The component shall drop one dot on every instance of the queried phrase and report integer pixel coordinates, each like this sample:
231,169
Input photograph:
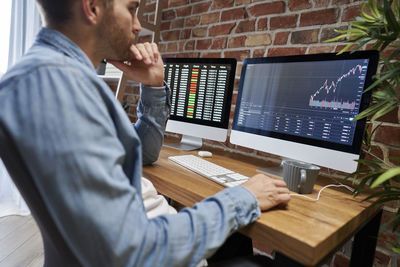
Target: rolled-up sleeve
153,109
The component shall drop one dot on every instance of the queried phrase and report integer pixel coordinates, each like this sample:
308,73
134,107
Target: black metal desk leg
364,243
281,260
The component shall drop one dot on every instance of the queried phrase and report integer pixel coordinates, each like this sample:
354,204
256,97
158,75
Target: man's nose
136,26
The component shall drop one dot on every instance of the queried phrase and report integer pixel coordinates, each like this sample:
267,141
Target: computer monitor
302,107
201,96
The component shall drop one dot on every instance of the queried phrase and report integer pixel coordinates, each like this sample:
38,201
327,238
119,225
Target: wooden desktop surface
305,231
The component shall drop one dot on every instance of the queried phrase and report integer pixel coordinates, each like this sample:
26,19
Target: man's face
119,28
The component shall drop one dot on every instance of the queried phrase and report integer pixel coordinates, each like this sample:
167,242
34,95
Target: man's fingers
143,49
283,190
279,183
155,52
136,53
283,198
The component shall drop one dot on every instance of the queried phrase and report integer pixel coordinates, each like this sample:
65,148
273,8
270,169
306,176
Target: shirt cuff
245,203
153,95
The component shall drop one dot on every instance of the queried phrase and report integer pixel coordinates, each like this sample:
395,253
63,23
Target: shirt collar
63,44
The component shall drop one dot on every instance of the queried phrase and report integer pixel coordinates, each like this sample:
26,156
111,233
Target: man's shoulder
40,60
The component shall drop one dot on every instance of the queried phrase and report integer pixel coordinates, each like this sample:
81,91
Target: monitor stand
276,171
187,143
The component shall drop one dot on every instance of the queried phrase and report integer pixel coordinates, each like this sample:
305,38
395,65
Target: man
77,159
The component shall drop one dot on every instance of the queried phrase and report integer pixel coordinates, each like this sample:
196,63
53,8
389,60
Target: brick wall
251,28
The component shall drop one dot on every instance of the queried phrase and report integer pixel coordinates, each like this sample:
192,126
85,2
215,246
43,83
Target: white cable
319,193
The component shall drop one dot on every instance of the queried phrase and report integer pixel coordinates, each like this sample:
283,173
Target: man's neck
83,38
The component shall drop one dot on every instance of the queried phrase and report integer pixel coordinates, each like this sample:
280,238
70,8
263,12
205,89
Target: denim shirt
85,158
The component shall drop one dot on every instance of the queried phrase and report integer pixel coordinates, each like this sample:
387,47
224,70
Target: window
5,21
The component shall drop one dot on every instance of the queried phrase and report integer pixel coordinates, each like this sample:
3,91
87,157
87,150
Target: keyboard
210,170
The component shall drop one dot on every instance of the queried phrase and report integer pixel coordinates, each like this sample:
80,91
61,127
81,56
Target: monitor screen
201,95
305,106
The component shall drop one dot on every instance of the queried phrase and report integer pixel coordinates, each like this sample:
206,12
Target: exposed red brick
305,37
321,3
188,54
184,11
144,39
192,21
168,15
340,2
325,16
221,29
211,54
237,41
258,53
283,22
321,49
394,156
162,47
267,8
382,258
376,151
262,248
242,2
341,261
199,32
219,43
281,38
340,47
189,45
286,51
165,25
210,18
233,14
392,116
389,135
150,7
164,3
177,23
385,240
295,5
185,34
201,7
260,39
172,47
245,26
262,24
350,13
218,4
239,55
170,35
174,3
329,33
203,44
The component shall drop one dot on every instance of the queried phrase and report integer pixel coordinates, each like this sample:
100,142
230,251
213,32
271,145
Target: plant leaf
386,176
386,109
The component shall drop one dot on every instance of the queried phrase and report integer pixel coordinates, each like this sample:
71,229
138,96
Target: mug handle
303,178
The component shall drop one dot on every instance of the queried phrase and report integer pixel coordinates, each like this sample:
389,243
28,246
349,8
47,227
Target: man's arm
153,108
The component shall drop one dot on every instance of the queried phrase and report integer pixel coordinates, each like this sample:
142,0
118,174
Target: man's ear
92,10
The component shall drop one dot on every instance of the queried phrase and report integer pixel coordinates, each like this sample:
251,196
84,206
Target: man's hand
146,65
268,192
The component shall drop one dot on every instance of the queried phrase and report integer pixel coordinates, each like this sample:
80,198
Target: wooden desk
305,233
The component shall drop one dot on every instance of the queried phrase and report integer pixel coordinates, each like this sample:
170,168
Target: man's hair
56,12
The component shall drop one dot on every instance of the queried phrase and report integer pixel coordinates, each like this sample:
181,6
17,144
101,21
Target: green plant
379,24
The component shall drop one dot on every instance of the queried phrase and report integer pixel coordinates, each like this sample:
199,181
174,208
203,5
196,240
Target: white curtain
25,23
